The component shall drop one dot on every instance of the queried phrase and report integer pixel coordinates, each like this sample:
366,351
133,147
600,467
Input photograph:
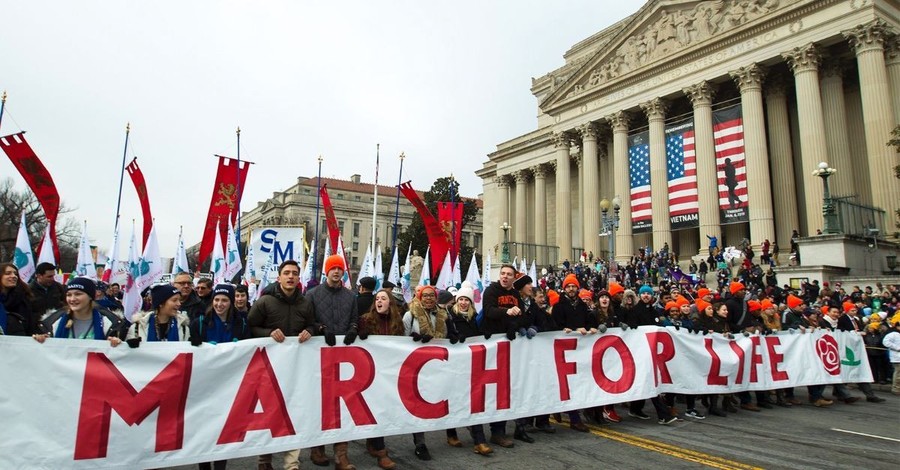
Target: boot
384,461
318,457
341,461
714,406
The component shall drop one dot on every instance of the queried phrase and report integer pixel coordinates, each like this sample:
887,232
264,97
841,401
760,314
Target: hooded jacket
496,301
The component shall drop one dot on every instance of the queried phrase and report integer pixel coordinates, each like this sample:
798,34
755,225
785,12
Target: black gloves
601,328
462,338
415,336
196,340
426,338
530,332
511,334
487,335
329,338
363,335
453,337
133,342
521,331
350,337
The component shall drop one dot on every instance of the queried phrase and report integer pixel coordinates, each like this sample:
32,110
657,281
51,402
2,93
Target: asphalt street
860,435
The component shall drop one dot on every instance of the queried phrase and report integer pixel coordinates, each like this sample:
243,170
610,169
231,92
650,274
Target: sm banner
282,243
167,404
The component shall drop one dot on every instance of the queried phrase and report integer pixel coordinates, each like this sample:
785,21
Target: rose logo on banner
827,348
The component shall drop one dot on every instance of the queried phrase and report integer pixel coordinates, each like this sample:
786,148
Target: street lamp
610,223
504,257
828,209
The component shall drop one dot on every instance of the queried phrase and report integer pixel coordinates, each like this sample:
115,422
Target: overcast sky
444,81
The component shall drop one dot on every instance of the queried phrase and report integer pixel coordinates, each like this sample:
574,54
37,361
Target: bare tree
13,202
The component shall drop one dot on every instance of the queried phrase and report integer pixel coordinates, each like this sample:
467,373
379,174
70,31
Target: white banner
283,243
166,404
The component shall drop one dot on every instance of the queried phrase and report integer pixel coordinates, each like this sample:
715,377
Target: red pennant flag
334,230
437,237
450,217
225,201
38,179
137,177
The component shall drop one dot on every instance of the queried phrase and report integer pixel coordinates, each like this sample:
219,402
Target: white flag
340,251
485,272
406,283
46,253
264,278
379,271
151,263
24,258
446,274
425,277
456,280
217,265
233,264
112,258
532,273
308,268
473,278
250,268
325,258
132,297
523,268
367,267
85,264
180,262
394,272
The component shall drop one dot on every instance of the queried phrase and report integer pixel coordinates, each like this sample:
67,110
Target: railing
543,255
858,219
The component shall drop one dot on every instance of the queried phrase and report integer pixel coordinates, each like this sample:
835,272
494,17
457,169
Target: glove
624,326
522,332
746,333
196,340
530,333
329,338
133,342
462,338
363,335
705,332
511,334
602,328
350,337
453,337
415,336
792,330
426,338
678,327
487,335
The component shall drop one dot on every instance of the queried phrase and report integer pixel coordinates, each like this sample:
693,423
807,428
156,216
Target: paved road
861,435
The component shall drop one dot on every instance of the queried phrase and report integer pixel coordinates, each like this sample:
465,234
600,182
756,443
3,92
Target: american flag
639,173
681,167
728,132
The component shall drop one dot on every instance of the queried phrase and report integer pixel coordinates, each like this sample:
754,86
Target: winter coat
291,314
436,323
236,327
47,299
364,302
113,325
193,306
463,324
642,314
140,327
573,315
21,321
715,323
335,308
892,342
739,317
496,301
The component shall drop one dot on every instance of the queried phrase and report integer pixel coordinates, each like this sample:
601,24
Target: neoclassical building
706,118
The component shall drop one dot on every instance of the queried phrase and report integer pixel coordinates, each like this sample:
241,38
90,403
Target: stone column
892,50
859,154
841,184
624,240
503,199
782,157
759,189
804,61
540,204
701,96
563,195
590,214
659,182
577,220
868,41
520,226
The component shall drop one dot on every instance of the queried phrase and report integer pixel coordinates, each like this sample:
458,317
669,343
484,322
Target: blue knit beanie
646,290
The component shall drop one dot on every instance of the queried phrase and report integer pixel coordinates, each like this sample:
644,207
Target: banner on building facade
168,404
639,177
283,243
681,171
731,165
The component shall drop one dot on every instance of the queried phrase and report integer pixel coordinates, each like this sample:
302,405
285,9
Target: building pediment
659,31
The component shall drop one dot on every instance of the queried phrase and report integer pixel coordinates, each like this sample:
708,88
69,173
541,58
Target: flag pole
318,197
238,194
122,175
453,218
2,105
375,200
397,206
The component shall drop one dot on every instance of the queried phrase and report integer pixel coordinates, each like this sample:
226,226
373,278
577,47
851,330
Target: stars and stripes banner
681,170
639,176
731,168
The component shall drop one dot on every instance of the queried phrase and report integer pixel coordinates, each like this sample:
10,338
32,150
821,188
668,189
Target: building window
355,261
341,226
356,229
355,246
357,198
306,191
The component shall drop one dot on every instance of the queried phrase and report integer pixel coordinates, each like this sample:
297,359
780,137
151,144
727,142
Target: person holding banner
165,322
221,323
16,316
572,314
81,320
643,314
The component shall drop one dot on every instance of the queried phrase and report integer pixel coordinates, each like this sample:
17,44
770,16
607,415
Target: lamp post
610,222
828,209
504,257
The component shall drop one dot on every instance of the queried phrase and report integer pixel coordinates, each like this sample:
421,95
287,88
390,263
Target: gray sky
444,81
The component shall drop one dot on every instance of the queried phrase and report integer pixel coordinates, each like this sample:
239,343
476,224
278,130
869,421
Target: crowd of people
581,299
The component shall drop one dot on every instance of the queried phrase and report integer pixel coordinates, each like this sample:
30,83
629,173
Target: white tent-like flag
523,267
378,270
46,253
233,264
85,264
327,253
456,280
180,262
473,278
132,295
406,283
367,266
532,273
217,266
340,251
112,258
394,271
250,268
308,267
264,277
425,277
445,277
485,272
151,269
24,258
